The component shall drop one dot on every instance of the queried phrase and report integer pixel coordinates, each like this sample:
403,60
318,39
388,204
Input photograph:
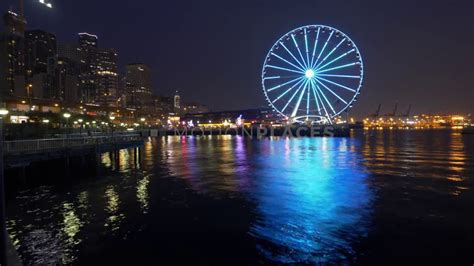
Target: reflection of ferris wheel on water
312,73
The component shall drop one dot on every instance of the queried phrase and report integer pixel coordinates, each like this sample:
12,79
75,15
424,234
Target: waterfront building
12,58
68,79
138,85
40,48
229,118
40,65
70,51
194,108
88,44
107,77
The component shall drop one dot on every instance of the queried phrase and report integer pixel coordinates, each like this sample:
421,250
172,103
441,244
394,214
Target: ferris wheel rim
360,62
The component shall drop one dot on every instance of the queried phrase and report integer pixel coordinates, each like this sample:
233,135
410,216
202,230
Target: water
221,200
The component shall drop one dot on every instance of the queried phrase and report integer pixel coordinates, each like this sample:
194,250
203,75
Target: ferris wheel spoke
315,98
307,103
293,96
335,83
306,45
315,46
299,51
284,84
326,99
330,53
320,100
295,110
331,91
283,68
339,76
334,68
288,90
286,61
292,55
324,47
334,60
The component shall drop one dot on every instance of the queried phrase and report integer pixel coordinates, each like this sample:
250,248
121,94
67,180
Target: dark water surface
225,200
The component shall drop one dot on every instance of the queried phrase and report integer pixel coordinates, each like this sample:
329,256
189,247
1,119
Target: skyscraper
70,51
40,47
12,56
107,77
87,40
88,44
68,79
138,85
41,61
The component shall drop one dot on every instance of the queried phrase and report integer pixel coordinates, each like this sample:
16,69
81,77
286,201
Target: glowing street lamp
112,118
67,116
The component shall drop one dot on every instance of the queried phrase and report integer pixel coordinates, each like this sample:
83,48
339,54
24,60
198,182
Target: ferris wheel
313,73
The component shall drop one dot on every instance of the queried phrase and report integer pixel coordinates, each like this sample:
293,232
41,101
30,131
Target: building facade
138,85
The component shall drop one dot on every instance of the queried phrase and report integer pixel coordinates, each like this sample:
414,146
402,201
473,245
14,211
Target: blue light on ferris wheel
314,72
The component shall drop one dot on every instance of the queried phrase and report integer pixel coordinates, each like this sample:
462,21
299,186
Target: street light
112,118
80,126
67,115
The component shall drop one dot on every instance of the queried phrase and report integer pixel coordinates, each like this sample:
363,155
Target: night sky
418,52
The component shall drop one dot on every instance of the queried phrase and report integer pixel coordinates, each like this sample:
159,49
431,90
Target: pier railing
39,145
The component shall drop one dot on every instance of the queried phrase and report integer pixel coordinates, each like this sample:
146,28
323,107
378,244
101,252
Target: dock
21,153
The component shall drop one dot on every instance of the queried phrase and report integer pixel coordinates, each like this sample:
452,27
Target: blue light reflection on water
312,200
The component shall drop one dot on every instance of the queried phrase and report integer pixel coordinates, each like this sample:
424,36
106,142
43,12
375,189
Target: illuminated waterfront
367,198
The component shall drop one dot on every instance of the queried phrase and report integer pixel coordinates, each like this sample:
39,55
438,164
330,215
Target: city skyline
394,72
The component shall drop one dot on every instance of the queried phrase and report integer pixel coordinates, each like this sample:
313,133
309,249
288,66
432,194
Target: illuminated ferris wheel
312,73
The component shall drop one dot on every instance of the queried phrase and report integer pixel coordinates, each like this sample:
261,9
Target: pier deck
21,153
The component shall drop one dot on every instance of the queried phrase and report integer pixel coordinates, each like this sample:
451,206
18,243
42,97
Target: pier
21,153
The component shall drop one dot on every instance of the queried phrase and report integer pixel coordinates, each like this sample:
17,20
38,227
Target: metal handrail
17,146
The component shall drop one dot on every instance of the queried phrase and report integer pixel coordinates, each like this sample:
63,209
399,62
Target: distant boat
468,130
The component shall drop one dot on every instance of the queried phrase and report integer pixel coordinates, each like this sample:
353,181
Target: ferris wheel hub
309,73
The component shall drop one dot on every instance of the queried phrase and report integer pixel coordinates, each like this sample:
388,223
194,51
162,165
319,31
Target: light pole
112,118
3,229
67,115
80,126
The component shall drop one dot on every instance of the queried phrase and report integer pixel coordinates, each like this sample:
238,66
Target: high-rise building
41,60
88,44
107,77
14,23
40,48
12,63
70,51
68,79
138,85
88,41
